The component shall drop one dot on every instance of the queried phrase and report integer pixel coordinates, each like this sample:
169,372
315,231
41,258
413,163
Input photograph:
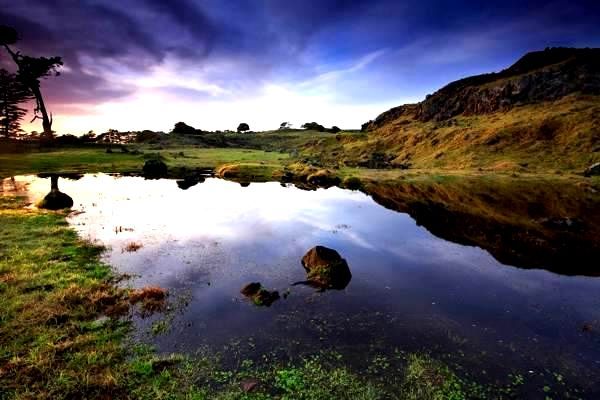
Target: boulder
325,268
592,170
154,169
55,200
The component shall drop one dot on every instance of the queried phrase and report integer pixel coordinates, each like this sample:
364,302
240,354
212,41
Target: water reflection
543,225
437,276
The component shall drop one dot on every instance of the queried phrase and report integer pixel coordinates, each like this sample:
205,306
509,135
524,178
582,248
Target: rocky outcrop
389,116
538,76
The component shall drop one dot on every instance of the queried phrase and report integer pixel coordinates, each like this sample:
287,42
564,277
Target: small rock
251,289
259,295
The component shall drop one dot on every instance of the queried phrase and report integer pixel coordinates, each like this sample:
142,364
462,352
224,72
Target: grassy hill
542,113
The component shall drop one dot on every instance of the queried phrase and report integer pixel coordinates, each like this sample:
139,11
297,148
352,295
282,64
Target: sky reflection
210,240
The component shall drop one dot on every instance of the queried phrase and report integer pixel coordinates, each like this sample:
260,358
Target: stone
259,295
55,200
326,269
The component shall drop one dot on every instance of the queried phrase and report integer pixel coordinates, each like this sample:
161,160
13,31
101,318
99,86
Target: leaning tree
12,95
30,70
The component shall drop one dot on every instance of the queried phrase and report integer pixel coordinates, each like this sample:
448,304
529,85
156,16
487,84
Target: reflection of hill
521,223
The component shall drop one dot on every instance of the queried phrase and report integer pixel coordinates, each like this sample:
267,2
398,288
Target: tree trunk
46,122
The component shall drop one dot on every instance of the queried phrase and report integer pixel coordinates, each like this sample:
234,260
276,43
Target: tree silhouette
313,126
12,95
30,70
243,127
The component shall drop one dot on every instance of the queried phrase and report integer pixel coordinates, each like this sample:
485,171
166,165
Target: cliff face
538,76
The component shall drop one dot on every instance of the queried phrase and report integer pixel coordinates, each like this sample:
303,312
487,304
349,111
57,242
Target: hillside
543,112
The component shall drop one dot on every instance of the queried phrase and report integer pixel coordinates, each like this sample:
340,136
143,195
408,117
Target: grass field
95,159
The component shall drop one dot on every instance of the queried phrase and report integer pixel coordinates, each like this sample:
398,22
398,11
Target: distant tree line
313,126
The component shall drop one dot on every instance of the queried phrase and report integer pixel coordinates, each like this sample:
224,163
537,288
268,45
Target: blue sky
146,64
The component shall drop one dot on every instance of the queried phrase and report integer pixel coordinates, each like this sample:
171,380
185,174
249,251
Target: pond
463,272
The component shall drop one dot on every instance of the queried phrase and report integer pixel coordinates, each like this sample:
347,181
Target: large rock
592,170
325,268
55,200
154,169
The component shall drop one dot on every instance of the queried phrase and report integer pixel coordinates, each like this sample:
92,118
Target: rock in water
259,295
55,200
326,268
251,289
592,170
154,169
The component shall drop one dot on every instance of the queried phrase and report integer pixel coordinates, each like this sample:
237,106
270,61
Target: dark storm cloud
286,40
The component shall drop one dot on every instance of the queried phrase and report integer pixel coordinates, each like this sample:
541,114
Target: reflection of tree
30,70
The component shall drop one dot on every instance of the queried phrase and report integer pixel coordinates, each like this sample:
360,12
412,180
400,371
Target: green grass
562,135
95,159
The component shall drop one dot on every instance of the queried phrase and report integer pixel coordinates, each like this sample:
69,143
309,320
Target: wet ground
410,290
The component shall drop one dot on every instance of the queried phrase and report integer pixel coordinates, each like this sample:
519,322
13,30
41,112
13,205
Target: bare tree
30,70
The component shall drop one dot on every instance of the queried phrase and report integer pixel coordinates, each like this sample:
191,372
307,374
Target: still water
410,290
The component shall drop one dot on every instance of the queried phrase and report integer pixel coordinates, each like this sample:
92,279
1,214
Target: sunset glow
153,63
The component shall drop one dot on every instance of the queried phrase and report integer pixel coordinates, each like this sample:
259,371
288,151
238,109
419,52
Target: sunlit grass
95,159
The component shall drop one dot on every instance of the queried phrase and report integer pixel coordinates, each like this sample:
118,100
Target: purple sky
146,64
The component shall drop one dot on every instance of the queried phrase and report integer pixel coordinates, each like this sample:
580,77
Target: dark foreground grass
64,334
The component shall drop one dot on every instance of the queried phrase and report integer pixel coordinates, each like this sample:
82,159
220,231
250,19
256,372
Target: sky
147,64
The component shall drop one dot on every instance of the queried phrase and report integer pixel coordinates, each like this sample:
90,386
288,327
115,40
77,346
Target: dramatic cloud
147,63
